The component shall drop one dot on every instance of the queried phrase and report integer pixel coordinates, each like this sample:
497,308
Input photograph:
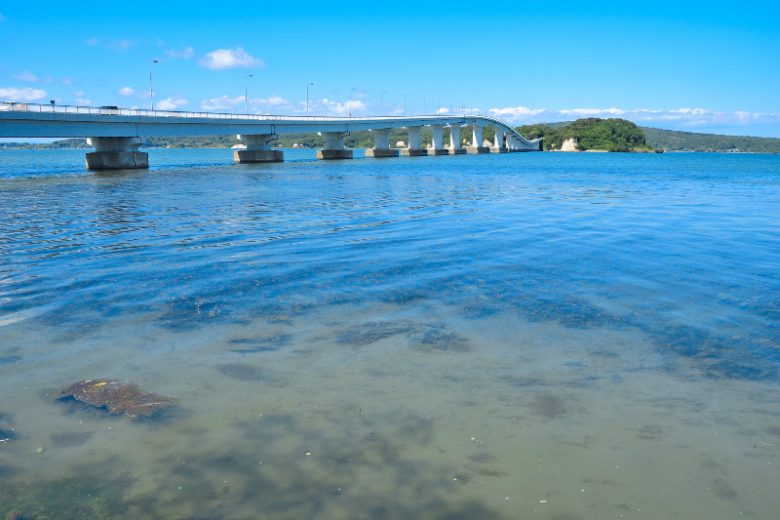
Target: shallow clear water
549,336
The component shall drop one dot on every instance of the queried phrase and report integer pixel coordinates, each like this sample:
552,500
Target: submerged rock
7,432
372,332
243,372
117,397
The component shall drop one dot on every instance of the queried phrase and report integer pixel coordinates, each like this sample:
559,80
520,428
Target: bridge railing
140,112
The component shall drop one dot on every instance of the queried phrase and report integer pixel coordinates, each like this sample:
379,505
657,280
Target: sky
694,66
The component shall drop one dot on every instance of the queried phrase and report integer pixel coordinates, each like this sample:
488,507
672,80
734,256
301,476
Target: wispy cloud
592,112
171,103
238,103
126,91
27,76
22,94
34,78
221,59
332,107
442,110
185,53
273,101
679,118
516,113
279,104
221,103
112,44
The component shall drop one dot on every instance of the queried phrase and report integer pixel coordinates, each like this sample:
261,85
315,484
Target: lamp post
382,102
307,96
151,87
246,93
349,103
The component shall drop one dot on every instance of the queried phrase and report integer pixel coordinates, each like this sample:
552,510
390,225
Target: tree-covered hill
688,141
612,135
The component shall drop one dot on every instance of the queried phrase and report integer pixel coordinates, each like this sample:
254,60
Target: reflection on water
517,336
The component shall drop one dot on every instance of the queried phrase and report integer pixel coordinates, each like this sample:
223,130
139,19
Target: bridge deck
33,120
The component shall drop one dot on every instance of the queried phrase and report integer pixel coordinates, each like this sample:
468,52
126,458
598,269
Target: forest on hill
611,135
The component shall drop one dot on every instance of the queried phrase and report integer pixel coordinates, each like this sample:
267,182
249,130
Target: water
548,336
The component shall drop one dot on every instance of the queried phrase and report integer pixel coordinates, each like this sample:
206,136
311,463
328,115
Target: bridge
117,133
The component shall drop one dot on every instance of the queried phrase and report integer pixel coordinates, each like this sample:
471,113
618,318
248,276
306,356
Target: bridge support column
455,147
437,141
511,144
414,148
476,141
116,153
381,145
498,141
258,149
334,147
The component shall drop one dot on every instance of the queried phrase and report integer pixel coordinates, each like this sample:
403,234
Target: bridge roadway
117,133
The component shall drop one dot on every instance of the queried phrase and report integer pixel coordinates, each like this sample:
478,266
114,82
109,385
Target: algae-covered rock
117,397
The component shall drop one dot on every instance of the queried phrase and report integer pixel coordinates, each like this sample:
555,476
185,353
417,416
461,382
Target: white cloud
182,54
337,108
221,103
67,81
83,102
22,94
228,59
238,103
126,91
171,103
514,114
442,110
27,76
273,101
593,112
698,119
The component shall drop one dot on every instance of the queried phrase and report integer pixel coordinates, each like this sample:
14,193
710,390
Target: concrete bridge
117,133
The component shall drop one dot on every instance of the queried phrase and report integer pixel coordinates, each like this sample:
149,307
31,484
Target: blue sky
698,66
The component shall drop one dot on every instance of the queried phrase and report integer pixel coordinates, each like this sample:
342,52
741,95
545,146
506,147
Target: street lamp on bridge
307,96
349,103
151,87
246,93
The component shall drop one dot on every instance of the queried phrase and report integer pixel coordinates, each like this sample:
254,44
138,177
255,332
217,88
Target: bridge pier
116,153
498,141
437,141
414,148
334,147
455,146
258,149
381,145
476,141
